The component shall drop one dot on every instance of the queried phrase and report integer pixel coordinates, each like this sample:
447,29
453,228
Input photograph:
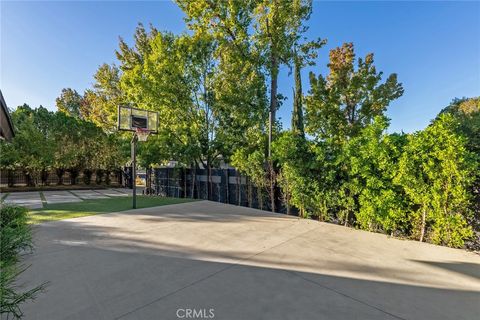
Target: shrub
15,238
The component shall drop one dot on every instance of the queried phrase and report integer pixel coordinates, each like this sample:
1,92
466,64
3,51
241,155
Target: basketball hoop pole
142,123
134,170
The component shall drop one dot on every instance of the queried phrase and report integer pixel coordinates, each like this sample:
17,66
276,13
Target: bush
451,231
15,239
15,233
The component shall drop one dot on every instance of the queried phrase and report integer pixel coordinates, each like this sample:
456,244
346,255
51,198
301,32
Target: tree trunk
209,180
424,215
10,178
273,90
107,177
272,117
149,180
193,173
44,176
29,179
227,185
60,172
250,196
260,198
238,189
272,185
184,182
287,202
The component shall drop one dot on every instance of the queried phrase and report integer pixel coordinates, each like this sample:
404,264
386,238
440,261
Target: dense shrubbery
413,185
48,140
15,239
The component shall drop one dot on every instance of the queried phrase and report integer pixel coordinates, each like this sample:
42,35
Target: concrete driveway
207,259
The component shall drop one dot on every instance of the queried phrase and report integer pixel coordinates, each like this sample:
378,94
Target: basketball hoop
142,123
142,134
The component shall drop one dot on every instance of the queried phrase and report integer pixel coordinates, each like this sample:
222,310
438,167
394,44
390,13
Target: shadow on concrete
464,268
99,272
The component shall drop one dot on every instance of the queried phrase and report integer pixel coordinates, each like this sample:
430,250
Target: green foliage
205,99
159,74
46,140
435,171
347,100
372,159
250,160
338,108
70,102
15,238
467,112
297,114
33,144
101,102
15,232
295,179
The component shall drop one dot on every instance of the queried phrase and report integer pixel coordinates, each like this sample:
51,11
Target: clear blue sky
434,47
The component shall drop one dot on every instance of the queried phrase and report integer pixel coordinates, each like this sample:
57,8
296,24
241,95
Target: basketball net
142,134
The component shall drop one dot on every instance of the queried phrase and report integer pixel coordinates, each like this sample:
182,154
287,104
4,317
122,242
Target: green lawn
60,211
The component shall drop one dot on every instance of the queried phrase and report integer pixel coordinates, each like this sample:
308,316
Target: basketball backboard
131,119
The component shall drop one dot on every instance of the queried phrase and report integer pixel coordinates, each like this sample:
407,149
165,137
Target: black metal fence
226,186
20,178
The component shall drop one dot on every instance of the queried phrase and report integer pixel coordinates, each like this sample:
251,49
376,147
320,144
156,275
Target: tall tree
101,102
278,25
338,107
297,114
70,102
177,76
304,55
271,27
347,100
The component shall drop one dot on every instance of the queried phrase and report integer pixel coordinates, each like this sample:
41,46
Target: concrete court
33,200
88,194
244,264
30,200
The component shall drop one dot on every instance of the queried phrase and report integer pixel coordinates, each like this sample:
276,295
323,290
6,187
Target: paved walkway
243,263
33,200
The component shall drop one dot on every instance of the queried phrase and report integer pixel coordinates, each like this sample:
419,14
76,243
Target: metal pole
134,170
